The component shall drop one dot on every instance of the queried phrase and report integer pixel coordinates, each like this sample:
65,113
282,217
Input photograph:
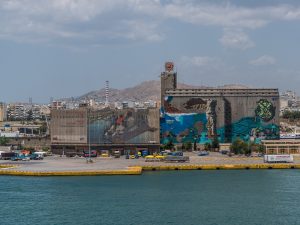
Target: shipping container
278,159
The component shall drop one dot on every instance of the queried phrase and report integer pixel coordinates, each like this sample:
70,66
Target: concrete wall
124,126
200,116
37,143
106,126
69,126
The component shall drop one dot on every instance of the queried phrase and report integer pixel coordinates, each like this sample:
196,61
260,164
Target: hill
147,90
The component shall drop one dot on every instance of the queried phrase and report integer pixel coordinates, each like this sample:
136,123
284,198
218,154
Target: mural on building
124,126
211,116
265,110
180,128
186,120
252,129
195,120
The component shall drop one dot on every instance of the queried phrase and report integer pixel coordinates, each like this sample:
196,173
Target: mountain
147,90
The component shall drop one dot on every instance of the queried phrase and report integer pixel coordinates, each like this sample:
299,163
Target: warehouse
203,115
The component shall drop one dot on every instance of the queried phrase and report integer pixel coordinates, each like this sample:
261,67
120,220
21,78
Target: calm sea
254,197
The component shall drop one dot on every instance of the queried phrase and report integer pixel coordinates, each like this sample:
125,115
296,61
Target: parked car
36,157
224,152
260,155
117,154
177,153
203,153
93,154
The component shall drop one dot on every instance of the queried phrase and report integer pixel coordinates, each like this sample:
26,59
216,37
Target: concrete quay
61,166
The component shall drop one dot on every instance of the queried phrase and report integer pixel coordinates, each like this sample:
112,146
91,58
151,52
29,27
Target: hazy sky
63,48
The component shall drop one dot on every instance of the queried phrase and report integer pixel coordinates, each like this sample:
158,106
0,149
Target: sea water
247,197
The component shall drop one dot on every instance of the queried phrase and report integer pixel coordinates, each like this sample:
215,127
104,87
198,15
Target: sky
64,48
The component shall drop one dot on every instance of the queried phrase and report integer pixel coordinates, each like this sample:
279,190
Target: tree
215,143
4,140
291,115
29,115
43,128
187,145
207,146
169,145
239,147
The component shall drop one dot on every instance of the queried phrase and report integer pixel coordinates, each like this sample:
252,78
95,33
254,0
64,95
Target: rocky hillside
148,90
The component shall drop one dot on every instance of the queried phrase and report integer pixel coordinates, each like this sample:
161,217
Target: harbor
79,166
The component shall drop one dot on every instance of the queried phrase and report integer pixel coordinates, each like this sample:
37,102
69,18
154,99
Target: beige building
286,146
69,126
106,129
2,112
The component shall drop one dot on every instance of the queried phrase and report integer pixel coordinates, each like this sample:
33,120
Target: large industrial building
202,115
198,116
106,129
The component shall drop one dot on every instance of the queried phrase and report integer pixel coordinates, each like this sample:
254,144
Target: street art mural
189,120
254,129
181,128
124,126
195,120
265,110
211,116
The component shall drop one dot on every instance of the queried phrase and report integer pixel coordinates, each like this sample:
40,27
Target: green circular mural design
265,110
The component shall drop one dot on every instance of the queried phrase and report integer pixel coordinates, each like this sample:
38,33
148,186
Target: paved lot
57,163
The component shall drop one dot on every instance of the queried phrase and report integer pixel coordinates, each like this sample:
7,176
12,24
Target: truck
8,155
172,158
278,159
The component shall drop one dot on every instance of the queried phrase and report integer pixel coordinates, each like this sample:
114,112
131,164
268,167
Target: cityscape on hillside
144,95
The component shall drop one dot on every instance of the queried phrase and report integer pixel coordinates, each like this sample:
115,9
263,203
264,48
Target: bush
207,146
187,146
239,147
169,145
291,115
215,143
4,140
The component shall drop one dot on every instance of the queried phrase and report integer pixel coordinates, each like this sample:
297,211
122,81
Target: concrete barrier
222,167
129,171
137,170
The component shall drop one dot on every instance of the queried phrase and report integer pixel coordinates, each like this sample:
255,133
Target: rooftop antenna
107,93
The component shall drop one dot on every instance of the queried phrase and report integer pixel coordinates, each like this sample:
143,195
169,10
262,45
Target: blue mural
254,129
192,127
184,127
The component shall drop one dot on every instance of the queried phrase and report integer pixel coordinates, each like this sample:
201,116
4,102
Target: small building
287,146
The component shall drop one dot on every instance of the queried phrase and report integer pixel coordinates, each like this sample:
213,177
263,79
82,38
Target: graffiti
184,105
199,125
180,128
211,118
254,129
265,110
122,126
195,104
169,107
